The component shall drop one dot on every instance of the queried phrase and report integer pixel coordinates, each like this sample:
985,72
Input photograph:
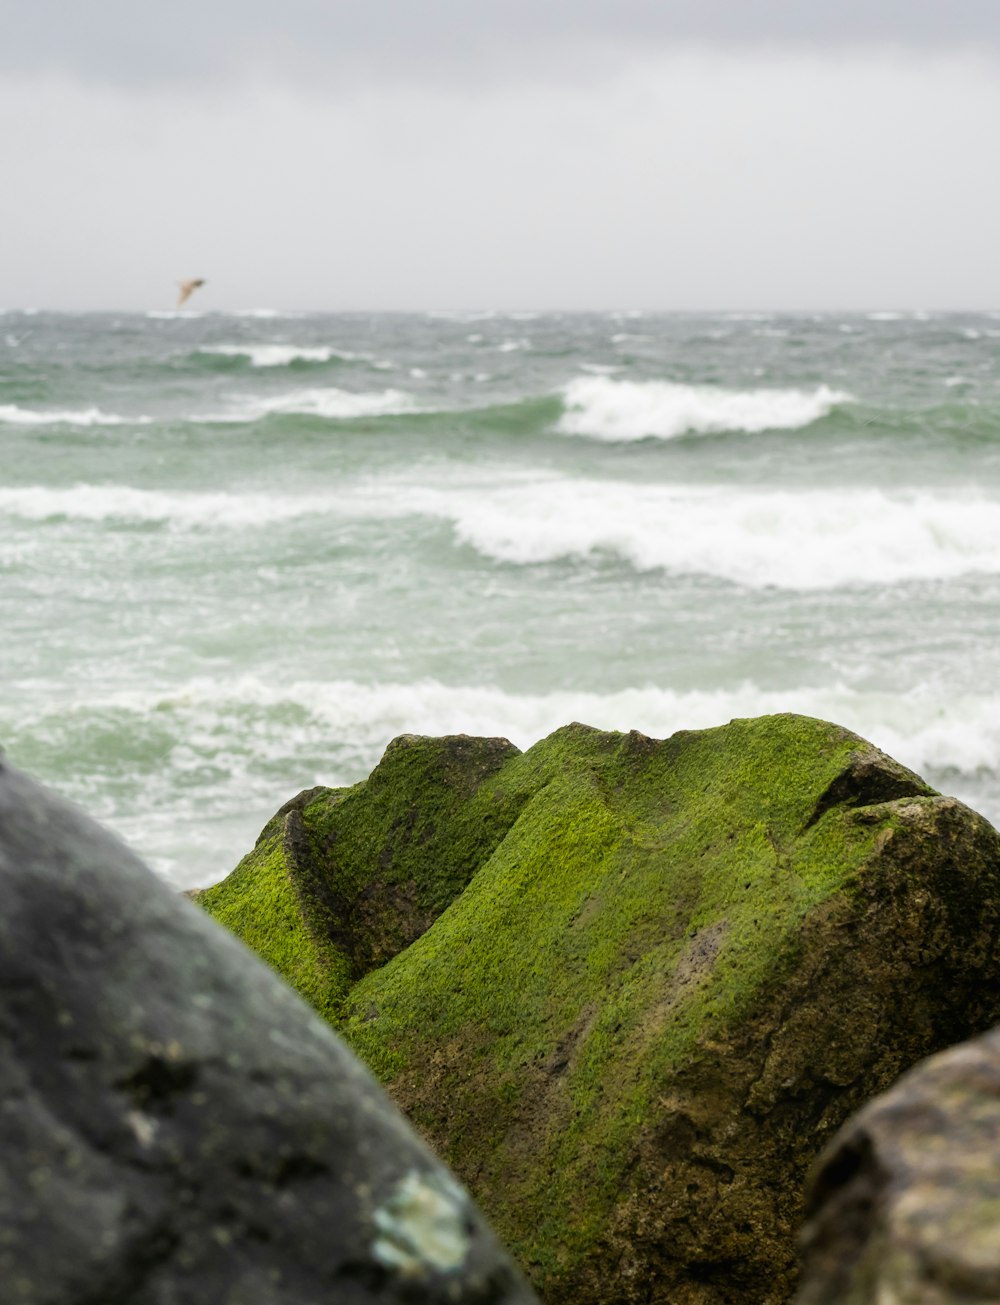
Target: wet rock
629,988
176,1125
905,1204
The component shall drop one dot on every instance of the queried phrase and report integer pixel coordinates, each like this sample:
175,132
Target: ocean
240,552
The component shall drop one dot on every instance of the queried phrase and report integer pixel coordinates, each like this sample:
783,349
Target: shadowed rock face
176,1126
629,988
905,1204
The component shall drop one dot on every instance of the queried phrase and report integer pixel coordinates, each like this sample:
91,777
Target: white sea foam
263,313
623,337
127,505
276,355
170,314
15,415
330,402
801,539
250,740
757,538
614,410
886,317
921,728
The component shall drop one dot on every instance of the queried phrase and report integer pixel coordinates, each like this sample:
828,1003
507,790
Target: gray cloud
692,179
135,42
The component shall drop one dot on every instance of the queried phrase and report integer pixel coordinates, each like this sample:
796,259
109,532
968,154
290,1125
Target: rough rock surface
176,1126
630,988
905,1206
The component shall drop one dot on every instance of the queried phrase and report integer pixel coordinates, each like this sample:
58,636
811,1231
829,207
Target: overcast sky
420,154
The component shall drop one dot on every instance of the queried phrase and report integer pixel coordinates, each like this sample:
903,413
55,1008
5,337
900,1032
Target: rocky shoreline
628,989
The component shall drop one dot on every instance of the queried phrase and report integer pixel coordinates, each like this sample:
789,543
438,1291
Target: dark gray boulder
905,1204
176,1125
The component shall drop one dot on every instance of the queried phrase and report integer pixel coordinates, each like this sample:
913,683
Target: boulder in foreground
906,1202
177,1127
629,988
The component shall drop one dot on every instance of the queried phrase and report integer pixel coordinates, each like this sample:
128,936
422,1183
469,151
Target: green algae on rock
340,880
629,988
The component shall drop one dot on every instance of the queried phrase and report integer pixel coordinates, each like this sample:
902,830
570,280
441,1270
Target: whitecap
276,355
757,538
15,415
352,720
330,403
263,313
125,504
633,410
624,337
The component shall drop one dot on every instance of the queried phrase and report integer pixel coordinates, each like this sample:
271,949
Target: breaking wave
13,414
265,314
349,722
330,403
277,355
756,538
128,506
802,539
606,409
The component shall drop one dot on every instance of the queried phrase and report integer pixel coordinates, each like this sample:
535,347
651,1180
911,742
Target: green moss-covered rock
341,880
628,987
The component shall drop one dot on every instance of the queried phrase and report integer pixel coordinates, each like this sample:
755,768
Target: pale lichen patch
423,1225
142,1126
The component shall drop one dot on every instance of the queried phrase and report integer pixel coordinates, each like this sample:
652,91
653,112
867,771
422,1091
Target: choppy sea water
240,552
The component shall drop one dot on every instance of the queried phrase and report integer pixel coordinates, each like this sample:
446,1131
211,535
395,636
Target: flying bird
187,289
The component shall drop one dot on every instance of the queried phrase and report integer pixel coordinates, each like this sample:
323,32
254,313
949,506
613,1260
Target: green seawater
240,552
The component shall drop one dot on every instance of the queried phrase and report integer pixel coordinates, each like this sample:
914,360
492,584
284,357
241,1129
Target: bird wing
188,288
